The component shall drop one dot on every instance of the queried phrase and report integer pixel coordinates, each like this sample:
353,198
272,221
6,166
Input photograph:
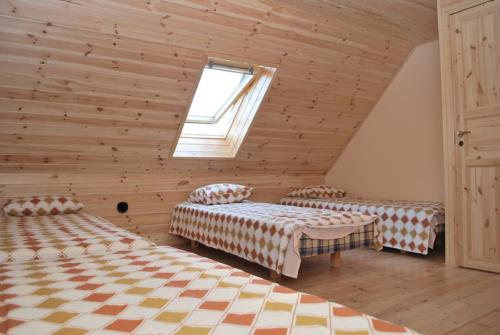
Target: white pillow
317,192
220,194
42,205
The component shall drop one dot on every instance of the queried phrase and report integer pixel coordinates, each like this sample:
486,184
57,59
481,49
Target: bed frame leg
274,275
336,260
403,252
194,244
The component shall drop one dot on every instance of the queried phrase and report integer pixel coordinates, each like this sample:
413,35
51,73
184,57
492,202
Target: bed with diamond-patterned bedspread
407,225
58,236
163,290
263,233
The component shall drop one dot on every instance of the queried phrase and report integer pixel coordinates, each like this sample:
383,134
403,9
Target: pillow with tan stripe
42,205
317,192
220,194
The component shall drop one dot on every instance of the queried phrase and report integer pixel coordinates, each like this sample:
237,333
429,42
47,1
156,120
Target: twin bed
274,236
411,226
76,273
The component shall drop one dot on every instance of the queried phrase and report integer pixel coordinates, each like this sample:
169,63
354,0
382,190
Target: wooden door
475,76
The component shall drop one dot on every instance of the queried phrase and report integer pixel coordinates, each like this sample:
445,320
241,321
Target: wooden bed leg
403,252
336,260
274,275
194,244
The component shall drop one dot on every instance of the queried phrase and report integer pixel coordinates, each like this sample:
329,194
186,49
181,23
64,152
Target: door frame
453,226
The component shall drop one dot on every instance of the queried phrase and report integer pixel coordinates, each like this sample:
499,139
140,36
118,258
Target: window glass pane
214,90
219,129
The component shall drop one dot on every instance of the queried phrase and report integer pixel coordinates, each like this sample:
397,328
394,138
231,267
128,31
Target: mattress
58,236
407,225
263,233
163,290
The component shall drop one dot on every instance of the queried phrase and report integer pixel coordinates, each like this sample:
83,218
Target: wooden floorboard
417,291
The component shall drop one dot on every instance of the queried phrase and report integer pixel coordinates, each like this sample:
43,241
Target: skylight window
218,86
226,100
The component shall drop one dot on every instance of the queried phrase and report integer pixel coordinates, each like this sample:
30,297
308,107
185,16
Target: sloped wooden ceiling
94,85
93,92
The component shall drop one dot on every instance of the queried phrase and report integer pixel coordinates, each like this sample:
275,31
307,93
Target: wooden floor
419,292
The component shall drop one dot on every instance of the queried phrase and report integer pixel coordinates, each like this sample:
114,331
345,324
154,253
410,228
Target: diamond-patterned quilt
264,233
67,235
163,290
406,225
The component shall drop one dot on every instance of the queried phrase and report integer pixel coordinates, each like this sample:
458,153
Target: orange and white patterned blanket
406,225
56,236
264,233
163,290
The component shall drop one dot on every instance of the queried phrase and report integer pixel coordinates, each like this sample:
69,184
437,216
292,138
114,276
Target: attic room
267,167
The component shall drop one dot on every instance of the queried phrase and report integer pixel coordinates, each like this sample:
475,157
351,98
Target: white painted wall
398,153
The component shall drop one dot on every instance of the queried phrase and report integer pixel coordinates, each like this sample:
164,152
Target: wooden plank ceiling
102,85
92,93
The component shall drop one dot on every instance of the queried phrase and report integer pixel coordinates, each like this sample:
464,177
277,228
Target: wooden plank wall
92,93
151,197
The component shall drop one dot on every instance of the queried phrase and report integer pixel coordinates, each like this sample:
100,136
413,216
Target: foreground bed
162,290
270,235
75,274
407,225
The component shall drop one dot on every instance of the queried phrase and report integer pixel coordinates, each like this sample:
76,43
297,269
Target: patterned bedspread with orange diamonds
68,235
163,290
406,225
264,233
